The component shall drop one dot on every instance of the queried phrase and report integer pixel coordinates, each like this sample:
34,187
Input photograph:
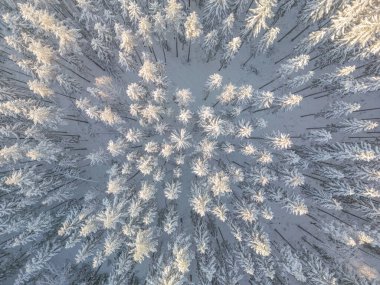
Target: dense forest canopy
172,142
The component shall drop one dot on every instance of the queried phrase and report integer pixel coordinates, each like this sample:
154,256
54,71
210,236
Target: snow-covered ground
271,216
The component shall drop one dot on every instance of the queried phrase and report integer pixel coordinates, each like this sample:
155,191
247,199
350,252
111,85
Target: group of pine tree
109,176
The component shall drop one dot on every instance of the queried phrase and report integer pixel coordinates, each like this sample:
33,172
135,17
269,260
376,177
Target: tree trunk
284,239
299,33
266,84
249,58
176,46
207,94
163,51
188,53
70,119
153,52
138,56
249,7
281,59
302,116
284,36
370,109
